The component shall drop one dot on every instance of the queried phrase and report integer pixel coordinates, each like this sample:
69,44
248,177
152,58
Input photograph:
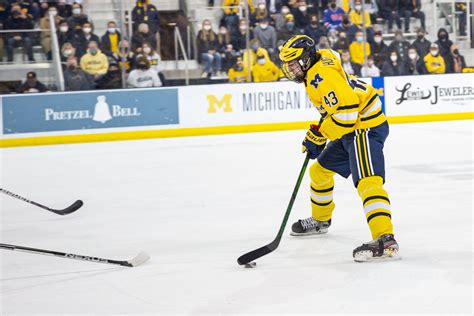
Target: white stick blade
139,259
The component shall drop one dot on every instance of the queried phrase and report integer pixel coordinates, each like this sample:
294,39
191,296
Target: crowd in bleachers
99,61
332,24
90,60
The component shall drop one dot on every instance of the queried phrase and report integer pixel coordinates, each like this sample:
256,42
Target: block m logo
223,104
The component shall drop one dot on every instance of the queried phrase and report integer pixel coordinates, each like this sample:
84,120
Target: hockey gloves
314,142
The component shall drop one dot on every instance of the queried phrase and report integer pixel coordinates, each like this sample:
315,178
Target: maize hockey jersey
345,102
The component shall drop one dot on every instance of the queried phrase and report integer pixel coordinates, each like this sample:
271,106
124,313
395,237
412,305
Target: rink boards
73,117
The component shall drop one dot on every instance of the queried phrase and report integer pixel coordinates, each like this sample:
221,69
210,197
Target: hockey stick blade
257,253
139,259
68,210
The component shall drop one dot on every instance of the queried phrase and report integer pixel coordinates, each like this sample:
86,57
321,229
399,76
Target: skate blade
366,256
321,232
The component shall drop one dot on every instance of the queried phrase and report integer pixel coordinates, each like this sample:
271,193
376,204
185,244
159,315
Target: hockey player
353,122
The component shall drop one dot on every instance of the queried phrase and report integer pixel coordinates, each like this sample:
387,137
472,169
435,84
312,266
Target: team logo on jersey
315,82
223,104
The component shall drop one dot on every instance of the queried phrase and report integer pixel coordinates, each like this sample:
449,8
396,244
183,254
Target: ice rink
195,204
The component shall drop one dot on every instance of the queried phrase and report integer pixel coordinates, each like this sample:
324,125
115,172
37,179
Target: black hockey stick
68,210
265,250
137,260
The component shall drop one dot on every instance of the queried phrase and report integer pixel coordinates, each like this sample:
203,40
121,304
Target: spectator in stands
412,8
355,17
75,79
332,38
88,29
333,15
231,19
350,67
67,51
265,70
288,30
79,41
301,15
143,35
77,19
112,79
223,38
323,43
94,62
31,84
124,57
154,59
379,50
144,12
18,21
250,55
314,29
45,24
280,18
400,45
143,76
64,33
371,7
389,11
358,48
460,10
261,12
395,66
238,73
434,62
266,35
444,43
421,44
64,9
111,39
342,42
208,49
229,55
370,70
454,60
347,27
415,64
239,39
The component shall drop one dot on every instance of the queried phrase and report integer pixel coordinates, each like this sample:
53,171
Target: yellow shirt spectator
357,51
265,70
235,3
435,64
250,53
238,76
94,64
114,39
356,18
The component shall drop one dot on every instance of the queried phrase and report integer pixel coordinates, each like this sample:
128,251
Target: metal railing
447,8
56,54
178,41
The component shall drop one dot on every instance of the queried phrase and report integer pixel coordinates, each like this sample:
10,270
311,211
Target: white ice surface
196,204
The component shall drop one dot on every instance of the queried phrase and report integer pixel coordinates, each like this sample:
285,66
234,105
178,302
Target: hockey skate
309,226
383,248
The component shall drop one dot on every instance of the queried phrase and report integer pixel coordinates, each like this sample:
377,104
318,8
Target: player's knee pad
376,205
321,176
322,186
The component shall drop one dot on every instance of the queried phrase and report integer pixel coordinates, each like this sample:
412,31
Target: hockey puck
250,265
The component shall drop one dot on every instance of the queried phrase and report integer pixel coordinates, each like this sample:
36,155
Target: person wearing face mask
444,43
67,50
314,29
238,73
87,29
124,57
112,79
145,12
208,50
415,64
75,79
64,33
421,44
143,35
45,24
239,40
266,35
333,16
18,21
265,70
78,18
347,27
153,57
143,76
357,47
223,39
355,17
32,84
379,50
111,39
280,18
288,29
370,70
395,66
231,11
455,62
434,62
342,42
94,62
301,15
399,44
261,11
389,11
